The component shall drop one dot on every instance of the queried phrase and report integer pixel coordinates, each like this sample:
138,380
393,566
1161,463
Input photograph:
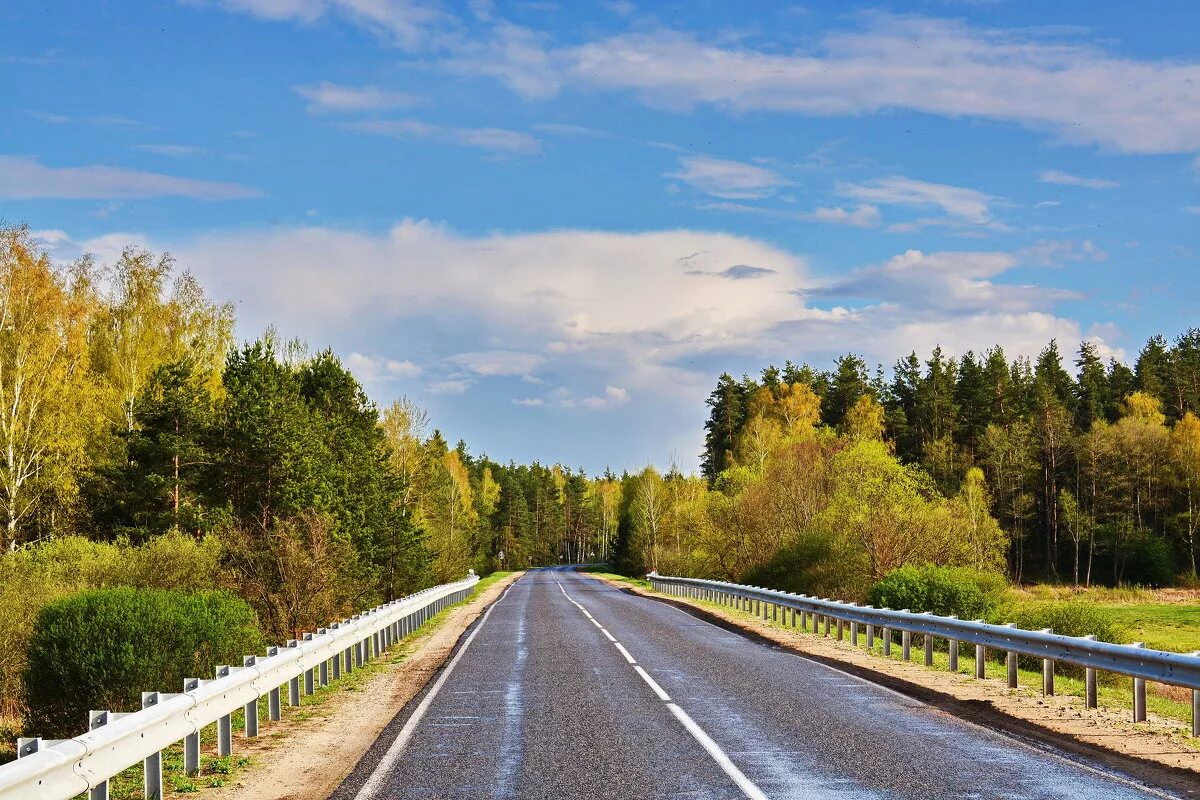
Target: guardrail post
1139,693
191,742
98,719
853,633
293,683
906,645
841,629
309,678
887,640
336,661
225,723
1048,671
274,712
1089,681
826,618
1196,704
251,707
952,648
323,670
870,637
980,659
152,782
1010,661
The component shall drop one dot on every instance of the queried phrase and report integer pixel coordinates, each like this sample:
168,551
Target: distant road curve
570,688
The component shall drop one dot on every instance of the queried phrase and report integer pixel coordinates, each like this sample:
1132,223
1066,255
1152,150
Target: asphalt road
569,688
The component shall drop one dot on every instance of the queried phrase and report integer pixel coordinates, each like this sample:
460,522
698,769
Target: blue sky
554,223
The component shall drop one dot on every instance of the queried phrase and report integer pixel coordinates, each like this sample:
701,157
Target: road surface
570,688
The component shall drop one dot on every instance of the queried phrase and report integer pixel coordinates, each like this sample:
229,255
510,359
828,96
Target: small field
1165,619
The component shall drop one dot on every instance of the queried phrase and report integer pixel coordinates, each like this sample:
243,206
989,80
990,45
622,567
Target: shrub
968,593
102,648
1064,617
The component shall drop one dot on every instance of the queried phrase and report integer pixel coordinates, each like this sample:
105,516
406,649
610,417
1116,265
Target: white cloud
172,150
449,386
613,396
24,178
499,362
405,23
964,204
863,216
950,283
334,98
530,402
372,369
1082,93
495,140
1067,179
734,180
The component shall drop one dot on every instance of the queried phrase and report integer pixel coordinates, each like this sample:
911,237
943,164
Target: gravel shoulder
308,759
1155,752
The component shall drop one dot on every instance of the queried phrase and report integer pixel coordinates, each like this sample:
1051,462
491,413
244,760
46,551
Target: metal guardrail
1132,660
58,770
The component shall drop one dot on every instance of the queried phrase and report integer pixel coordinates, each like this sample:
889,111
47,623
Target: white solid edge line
625,652
658,690
608,635
748,788
374,783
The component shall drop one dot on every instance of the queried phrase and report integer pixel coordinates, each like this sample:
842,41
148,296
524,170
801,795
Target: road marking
658,690
745,784
713,749
380,774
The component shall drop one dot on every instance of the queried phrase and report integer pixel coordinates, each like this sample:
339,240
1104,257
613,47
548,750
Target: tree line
128,412
1092,471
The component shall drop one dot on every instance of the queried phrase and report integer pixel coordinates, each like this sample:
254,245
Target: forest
142,446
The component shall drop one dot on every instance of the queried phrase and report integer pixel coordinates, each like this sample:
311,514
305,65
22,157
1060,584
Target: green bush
1064,617
968,593
102,648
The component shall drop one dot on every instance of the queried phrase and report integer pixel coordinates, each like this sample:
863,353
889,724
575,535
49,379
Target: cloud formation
1067,179
733,180
968,205
335,98
24,178
494,140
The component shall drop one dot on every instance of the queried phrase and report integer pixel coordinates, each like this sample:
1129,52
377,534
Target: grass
218,771
1168,626
602,571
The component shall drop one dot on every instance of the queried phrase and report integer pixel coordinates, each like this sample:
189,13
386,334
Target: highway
570,688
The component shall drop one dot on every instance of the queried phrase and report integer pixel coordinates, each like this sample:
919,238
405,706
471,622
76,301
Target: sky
554,224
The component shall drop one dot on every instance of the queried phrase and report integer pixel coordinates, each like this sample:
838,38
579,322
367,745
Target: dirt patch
309,759
1155,752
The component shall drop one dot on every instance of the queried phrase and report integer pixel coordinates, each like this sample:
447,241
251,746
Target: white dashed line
712,748
745,784
658,690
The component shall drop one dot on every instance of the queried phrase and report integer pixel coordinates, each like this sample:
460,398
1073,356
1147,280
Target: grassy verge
1160,625
603,572
216,772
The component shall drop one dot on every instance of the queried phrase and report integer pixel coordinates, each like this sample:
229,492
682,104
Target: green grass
1162,626
216,772
602,572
